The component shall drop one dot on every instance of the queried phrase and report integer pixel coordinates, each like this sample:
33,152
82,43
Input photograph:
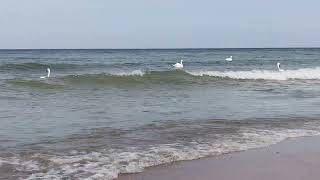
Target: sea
106,112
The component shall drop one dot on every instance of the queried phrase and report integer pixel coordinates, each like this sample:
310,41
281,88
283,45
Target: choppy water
106,112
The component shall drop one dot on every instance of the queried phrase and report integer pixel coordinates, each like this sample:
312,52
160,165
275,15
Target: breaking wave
306,73
176,77
109,163
170,77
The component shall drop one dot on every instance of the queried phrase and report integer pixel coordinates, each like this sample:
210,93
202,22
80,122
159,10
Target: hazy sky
159,23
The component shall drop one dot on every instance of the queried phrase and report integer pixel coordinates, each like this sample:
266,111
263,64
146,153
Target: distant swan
279,68
229,58
48,74
178,65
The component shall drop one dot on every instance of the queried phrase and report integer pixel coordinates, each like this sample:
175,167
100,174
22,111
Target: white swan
279,68
229,58
178,65
48,74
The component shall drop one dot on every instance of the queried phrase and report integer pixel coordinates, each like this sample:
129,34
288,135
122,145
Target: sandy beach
292,159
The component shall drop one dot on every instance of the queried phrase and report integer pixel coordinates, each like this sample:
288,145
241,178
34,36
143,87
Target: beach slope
292,159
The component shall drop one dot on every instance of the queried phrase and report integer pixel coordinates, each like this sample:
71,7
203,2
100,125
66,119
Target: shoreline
292,159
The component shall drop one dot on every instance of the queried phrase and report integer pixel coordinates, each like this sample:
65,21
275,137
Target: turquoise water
106,112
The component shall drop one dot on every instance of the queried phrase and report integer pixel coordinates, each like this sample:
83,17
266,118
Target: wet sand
292,159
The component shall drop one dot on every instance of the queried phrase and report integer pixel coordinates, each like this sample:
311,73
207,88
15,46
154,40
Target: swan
279,68
229,58
48,74
178,65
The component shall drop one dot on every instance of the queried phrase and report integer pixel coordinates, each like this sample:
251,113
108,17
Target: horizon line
157,48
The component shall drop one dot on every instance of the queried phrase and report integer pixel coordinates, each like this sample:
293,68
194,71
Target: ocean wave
177,77
173,77
302,74
110,163
299,74
169,77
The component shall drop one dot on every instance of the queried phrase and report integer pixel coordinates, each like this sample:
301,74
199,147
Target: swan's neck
279,68
181,61
48,75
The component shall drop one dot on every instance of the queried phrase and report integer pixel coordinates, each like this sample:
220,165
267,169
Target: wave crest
303,74
169,77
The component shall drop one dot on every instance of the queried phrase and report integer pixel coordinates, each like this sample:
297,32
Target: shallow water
105,112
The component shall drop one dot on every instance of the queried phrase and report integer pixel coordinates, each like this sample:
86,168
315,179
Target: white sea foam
108,164
307,73
20,165
129,73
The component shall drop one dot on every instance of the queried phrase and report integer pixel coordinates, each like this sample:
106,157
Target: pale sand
293,159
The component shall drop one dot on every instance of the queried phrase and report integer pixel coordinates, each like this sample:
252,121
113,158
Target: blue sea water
106,112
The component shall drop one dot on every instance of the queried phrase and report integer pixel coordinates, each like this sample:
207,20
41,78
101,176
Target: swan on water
48,74
178,65
279,68
229,58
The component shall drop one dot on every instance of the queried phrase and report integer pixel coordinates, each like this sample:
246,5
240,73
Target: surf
169,77
299,74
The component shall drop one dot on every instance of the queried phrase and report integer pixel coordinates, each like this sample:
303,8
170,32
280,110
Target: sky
46,24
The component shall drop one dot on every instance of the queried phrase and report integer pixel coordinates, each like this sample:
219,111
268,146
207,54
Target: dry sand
293,159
